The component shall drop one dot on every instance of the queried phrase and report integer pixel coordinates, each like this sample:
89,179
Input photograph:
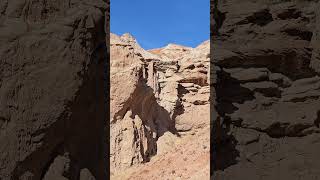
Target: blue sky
156,23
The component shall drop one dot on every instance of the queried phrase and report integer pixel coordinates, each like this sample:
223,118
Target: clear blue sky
155,23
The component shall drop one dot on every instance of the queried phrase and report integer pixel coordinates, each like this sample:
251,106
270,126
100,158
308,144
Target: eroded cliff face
159,110
52,114
265,54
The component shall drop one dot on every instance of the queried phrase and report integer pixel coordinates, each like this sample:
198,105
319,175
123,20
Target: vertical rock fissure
165,98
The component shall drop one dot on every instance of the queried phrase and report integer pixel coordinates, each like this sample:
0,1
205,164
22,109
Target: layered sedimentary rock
265,55
52,115
159,110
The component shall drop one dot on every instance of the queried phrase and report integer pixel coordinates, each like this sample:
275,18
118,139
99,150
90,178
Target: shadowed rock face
51,90
159,110
265,56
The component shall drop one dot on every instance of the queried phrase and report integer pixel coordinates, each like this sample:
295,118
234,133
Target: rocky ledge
266,58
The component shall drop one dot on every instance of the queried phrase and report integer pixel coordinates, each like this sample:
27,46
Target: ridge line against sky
157,23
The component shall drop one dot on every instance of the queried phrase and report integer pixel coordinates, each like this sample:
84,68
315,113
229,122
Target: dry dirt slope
159,111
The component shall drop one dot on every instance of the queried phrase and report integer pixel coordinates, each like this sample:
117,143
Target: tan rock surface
159,111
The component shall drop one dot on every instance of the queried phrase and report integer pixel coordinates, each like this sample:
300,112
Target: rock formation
266,59
52,115
159,111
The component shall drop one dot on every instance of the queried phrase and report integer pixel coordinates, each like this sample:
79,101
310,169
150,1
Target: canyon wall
266,58
159,110
258,77
52,115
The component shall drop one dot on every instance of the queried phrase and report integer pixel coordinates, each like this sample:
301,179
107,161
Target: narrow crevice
57,151
260,18
280,130
224,152
229,91
290,64
179,106
317,120
304,35
218,18
289,14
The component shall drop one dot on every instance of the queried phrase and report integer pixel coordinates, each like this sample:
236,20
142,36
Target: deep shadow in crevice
223,144
218,17
224,152
155,118
304,35
179,106
317,120
260,18
289,62
289,14
56,151
229,91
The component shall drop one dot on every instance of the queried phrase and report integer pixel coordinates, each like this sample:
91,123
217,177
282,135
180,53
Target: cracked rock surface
159,111
51,90
265,55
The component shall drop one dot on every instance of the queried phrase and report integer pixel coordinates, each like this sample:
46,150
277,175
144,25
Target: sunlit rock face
159,110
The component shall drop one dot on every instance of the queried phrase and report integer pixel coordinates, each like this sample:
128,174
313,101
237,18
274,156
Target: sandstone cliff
266,57
159,111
